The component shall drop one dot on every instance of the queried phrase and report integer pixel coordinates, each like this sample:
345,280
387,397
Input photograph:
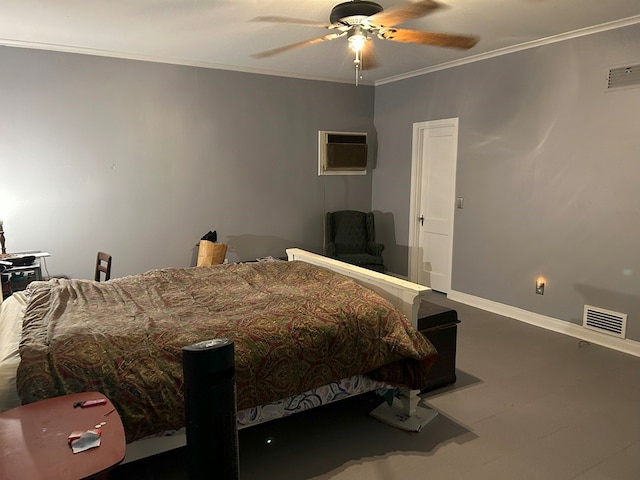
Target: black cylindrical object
210,410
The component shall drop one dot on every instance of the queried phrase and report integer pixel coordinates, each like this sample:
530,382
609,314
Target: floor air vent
605,321
624,77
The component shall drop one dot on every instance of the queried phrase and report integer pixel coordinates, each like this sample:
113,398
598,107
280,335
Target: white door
433,179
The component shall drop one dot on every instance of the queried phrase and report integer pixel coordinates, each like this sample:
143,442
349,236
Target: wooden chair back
103,265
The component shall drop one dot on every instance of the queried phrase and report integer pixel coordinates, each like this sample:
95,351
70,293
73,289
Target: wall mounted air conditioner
342,153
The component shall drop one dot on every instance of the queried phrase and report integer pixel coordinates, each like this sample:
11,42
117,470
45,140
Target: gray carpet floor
527,404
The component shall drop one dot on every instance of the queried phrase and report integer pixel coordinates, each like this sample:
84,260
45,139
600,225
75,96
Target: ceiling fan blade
275,51
296,21
463,42
403,13
369,57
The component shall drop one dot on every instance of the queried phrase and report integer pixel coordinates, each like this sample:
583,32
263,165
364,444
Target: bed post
210,409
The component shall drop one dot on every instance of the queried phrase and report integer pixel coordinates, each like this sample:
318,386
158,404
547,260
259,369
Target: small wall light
540,285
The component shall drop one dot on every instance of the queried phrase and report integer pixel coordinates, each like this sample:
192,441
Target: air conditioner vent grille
605,321
624,77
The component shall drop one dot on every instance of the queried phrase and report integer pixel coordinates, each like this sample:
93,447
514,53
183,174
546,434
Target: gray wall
141,159
548,165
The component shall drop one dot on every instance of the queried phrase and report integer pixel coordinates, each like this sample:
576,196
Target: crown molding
54,47
515,48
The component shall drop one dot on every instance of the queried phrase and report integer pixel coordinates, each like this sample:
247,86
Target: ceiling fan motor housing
361,8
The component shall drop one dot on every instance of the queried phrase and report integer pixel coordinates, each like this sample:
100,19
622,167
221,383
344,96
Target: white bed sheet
11,313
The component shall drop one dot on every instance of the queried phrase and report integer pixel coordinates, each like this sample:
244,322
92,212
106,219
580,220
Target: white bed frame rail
405,296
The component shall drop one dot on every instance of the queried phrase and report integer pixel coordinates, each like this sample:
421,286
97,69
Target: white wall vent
605,321
623,77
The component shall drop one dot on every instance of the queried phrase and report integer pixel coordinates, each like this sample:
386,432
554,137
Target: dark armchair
350,237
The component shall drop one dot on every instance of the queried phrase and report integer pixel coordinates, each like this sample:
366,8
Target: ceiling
220,33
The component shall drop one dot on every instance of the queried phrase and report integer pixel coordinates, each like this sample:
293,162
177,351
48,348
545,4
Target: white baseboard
578,331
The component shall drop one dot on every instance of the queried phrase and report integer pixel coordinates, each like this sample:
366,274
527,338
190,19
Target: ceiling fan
357,19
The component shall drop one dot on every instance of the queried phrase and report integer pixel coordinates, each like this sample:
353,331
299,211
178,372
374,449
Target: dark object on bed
210,236
210,409
351,238
103,265
439,324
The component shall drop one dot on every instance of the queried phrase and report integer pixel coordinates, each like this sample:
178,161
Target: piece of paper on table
89,439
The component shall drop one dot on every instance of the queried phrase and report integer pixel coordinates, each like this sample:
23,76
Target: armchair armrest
375,248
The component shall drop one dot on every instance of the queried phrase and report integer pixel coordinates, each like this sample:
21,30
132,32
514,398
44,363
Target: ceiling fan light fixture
357,38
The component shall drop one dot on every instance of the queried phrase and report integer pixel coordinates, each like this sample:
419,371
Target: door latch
421,220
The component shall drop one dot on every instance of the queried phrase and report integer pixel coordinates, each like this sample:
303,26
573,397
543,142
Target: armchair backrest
350,231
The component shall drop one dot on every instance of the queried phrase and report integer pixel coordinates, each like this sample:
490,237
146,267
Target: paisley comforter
295,326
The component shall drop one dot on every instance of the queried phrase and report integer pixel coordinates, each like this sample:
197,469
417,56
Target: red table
33,439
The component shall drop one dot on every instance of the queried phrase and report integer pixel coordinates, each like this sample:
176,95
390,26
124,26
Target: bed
306,332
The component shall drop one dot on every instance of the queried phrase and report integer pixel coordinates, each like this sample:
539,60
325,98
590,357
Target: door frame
415,257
